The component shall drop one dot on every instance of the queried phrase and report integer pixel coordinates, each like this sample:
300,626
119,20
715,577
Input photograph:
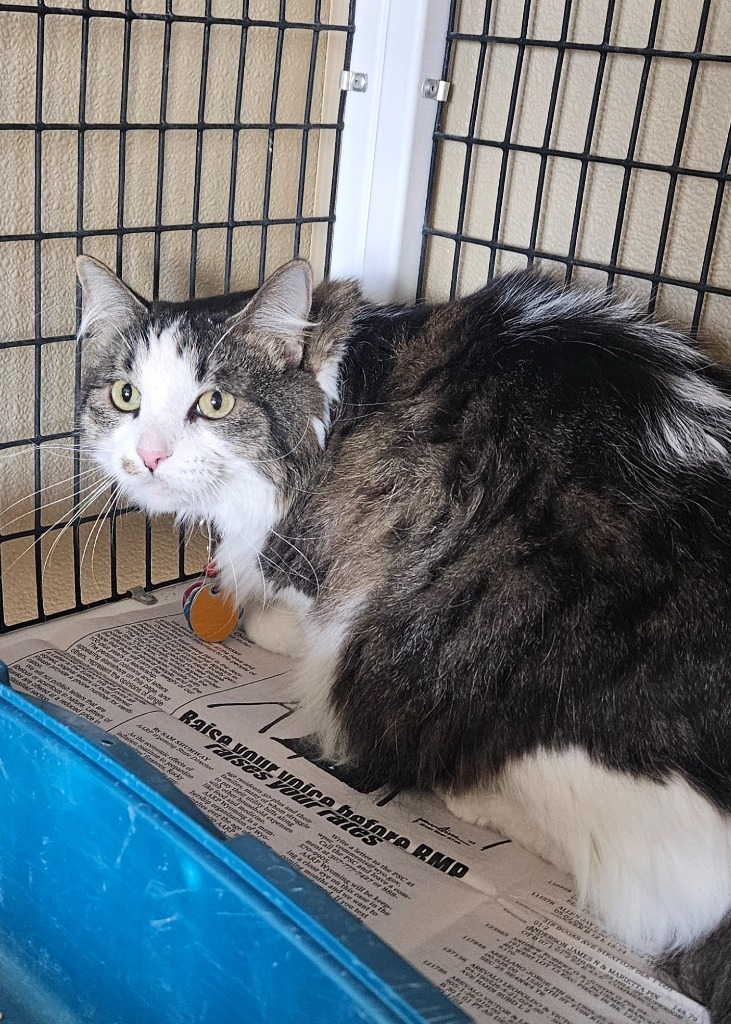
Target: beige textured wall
694,200
703,149
101,188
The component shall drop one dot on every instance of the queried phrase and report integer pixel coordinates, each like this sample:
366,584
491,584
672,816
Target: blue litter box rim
373,967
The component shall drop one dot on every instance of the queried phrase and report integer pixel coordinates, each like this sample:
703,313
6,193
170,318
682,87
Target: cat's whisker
46,504
265,597
301,553
29,453
236,582
87,503
188,531
89,536
210,540
279,458
99,525
58,445
235,321
60,456
302,490
69,445
274,565
73,477
57,483
190,528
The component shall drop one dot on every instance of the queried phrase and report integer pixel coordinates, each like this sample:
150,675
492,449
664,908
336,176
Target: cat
495,533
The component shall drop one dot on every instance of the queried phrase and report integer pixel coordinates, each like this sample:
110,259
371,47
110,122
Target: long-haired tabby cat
497,535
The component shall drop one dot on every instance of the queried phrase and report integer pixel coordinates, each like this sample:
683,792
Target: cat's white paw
274,626
490,809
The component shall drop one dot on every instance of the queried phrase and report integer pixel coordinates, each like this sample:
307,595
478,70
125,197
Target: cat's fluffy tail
703,972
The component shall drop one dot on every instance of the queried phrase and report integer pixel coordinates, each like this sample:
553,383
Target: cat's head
212,409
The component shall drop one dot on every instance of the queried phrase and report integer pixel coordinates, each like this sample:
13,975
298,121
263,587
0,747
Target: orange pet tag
212,615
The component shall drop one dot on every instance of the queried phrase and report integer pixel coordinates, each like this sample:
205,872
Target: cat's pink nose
152,457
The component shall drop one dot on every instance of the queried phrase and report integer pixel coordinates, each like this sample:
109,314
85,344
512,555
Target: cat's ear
276,317
105,299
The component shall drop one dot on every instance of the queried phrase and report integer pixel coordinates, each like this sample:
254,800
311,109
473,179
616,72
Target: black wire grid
130,15
496,242
521,46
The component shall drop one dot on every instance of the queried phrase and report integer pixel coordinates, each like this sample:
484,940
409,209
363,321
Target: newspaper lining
496,928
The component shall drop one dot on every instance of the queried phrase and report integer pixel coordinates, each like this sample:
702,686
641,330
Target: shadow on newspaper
361,778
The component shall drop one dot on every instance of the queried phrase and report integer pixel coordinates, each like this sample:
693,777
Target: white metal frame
386,145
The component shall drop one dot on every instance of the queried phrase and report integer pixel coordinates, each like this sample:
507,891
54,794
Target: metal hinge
353,81
435,89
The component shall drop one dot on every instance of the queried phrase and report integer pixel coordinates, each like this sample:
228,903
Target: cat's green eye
125,396
214,405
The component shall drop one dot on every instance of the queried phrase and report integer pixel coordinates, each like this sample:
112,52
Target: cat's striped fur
496,533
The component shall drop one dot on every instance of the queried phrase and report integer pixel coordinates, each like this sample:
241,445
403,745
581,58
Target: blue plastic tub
120,902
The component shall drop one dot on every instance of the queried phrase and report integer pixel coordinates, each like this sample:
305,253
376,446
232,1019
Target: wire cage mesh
192,145
592,139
